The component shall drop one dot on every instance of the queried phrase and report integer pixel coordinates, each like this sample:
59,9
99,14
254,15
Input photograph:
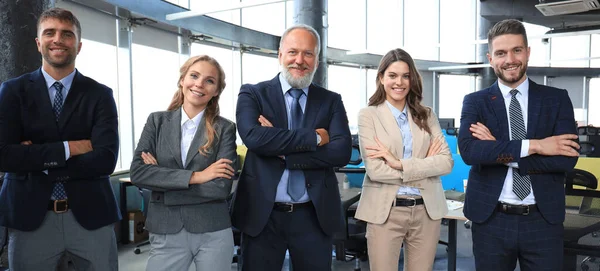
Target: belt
58,206
516,209
408,202
290,207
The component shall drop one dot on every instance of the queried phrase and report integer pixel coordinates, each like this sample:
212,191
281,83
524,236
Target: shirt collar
67,81
523,88
195,120
397,113
285,86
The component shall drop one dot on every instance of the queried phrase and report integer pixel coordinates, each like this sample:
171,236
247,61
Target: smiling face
58,43
396,83
298,57
199,85
509,58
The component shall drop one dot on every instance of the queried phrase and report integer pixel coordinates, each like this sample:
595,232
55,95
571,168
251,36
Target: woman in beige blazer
405,154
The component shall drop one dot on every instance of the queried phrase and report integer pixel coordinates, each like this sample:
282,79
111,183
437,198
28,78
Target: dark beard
511,81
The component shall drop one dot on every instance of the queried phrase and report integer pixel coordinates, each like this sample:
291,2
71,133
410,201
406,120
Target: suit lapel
277,102
197,141
391,127
313,104
73,99
173,134
496,101
38,91
533,108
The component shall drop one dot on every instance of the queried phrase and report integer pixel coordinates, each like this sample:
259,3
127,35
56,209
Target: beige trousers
411,226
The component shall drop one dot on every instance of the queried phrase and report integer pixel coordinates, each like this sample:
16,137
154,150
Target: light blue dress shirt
66,82
401,118
282,194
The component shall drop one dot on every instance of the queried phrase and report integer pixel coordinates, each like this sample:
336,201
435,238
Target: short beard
302,82
70,60
512,81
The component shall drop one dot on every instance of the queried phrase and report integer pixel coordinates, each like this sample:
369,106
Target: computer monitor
446,123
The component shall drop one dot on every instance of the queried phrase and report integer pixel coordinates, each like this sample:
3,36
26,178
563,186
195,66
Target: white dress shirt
507,195
188,131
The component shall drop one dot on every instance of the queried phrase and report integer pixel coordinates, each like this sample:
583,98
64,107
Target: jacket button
308,185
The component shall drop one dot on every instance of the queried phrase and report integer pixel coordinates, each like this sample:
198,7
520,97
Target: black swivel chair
583,221
146,200
351,243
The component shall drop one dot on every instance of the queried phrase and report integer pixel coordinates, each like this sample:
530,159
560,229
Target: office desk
123,184
453,216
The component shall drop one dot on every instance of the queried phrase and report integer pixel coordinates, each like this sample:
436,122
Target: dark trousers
299,232
505,238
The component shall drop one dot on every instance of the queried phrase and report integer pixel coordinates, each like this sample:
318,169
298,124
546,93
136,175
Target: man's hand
219,169
149,159
382,152
264,122
79,147
481,132
555,145
435,147
324,136
26,143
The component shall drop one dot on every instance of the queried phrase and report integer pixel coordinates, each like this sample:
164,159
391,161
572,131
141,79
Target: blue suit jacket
263,168
550,113
89,112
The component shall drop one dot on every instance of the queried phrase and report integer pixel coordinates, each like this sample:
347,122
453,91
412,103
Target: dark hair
62,15
508,26
414,97
212,108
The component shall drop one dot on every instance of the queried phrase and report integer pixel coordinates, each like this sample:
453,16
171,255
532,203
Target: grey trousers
211,251
59,234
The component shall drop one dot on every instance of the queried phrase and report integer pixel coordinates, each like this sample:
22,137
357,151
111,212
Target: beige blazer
381,182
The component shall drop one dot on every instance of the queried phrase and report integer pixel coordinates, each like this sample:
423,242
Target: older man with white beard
296,132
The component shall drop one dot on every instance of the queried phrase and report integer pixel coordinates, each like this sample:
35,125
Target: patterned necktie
521,183
59,189
296,181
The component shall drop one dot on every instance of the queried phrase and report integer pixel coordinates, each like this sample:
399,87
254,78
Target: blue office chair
145,201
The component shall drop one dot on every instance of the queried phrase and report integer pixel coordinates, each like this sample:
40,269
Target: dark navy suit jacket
263,168
550,112
89,112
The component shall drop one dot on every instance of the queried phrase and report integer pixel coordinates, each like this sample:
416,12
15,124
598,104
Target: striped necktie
521,183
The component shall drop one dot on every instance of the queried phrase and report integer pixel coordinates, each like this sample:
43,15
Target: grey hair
307,28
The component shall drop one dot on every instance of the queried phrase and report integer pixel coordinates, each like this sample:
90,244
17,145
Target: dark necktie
296,182
59,189
521,183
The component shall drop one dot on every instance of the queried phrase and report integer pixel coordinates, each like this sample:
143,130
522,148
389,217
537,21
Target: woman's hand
435,147
149,159
220,169
380,151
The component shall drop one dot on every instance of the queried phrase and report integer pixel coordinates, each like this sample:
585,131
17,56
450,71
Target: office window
274,23
453,89
371,83
595,51
228,98
457,46
539,49
230,16
571,51
421,18
346,81
593,109
384,25
346,25
181,3
257,68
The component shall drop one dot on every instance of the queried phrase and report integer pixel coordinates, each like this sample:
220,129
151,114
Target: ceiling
525,10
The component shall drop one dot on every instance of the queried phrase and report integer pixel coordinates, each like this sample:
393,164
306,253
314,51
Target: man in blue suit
296,132
58,145
519,138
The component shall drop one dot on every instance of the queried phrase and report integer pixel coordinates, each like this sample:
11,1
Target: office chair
581,222
587,130
351,242
586,148
146,193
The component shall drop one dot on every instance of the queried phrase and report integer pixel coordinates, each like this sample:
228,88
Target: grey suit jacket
175,204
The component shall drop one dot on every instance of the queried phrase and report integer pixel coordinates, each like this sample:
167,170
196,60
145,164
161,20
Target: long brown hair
419,112
211,112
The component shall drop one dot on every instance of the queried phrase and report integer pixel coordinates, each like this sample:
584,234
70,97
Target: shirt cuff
318,138
524,148
67,152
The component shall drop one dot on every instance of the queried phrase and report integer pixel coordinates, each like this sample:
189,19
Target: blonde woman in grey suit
405,154
186,156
